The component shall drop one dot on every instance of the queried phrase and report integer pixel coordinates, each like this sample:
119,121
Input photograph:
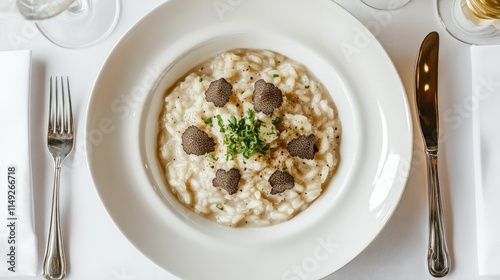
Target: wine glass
386,4
471,21
72,23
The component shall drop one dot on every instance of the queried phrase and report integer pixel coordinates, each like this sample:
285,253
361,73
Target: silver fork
60,138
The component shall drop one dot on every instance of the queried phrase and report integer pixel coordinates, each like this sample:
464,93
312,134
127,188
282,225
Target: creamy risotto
248,138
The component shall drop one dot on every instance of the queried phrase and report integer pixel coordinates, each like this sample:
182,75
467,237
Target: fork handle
54,262
438,258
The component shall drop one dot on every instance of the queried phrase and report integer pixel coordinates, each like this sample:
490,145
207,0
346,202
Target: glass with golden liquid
482,12
472,21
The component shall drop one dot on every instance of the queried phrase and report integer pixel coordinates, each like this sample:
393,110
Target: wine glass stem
78,6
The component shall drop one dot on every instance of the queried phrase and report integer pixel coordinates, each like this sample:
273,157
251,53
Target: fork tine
51,109
69,113
63,108
58,105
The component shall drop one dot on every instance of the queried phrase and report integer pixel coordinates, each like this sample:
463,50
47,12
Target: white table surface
97,250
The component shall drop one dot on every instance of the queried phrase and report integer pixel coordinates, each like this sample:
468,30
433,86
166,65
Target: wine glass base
385,4
83,24
455,22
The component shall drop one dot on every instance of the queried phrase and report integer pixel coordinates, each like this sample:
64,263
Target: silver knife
426,77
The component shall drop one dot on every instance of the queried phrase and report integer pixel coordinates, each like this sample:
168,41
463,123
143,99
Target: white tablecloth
97,250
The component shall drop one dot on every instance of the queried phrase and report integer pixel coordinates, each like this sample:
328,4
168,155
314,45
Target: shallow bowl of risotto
257,114
220,141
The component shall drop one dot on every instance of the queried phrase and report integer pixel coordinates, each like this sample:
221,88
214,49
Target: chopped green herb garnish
201,79
220,123
242,136
302,129
232,121
277,120
212,157
209,121
220,207
276,75
284,168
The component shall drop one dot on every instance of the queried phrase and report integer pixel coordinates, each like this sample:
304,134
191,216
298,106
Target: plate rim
133,29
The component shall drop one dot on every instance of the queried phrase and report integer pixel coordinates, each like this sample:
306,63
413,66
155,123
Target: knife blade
426,89
426,80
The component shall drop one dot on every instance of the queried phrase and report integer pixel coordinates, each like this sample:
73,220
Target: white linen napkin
485,61
18,249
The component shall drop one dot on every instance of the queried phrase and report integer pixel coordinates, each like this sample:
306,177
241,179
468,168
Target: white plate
375,149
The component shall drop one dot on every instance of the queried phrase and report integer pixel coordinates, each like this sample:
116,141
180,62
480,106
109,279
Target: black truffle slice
303,147
218,92
266,97
195,141
227,180
281,181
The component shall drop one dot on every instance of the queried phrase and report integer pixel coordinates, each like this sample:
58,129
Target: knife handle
438,257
